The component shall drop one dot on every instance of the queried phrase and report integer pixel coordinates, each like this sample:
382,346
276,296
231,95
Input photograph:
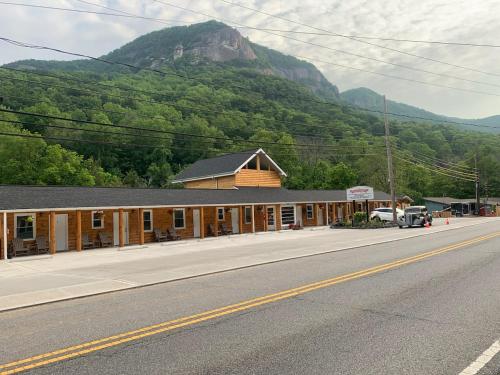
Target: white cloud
426,19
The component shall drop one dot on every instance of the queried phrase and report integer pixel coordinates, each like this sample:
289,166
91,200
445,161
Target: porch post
241,219
52,232
141,226
121,241
327,213
216,223
264,214
202,222
253,218
5,240
315,212
277,215
78,230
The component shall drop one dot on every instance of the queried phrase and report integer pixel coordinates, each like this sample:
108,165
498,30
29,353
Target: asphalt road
432,315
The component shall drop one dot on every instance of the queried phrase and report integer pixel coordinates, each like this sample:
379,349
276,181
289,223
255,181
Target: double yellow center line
111,341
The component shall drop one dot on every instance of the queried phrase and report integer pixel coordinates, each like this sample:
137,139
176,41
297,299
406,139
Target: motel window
148,220
179,218
97,220
220,213
310,211
248,215
287,215
25,226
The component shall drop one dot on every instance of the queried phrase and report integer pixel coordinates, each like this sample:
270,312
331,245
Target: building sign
360,193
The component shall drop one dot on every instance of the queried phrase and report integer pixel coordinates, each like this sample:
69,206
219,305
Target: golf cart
415,216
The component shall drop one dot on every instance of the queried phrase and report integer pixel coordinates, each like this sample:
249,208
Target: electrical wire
167,22
443,169
202,136
130,66
358,40
433,170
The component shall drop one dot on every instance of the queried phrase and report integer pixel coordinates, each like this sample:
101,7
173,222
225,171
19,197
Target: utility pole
478,197
390,167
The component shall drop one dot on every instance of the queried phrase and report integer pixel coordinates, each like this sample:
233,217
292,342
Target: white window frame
151,220
294,214
245,213
183,217
311,206
221,209
92,220
33,215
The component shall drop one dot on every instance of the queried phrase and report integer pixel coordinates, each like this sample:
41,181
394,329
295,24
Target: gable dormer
252,168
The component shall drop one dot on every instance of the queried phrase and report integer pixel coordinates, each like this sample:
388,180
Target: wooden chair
41,245
172,234
18,247
105,239
224,231
86,242
295,226
211,231
159,235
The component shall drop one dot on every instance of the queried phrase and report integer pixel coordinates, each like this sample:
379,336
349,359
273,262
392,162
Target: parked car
384,214
415,216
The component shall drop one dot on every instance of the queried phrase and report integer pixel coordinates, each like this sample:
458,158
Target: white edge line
482,360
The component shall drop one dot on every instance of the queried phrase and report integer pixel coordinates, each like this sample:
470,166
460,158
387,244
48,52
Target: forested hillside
137,127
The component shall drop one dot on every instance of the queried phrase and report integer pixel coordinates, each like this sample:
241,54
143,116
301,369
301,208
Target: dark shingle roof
220,165
58,197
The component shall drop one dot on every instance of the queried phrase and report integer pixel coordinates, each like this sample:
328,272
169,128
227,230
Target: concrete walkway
37,280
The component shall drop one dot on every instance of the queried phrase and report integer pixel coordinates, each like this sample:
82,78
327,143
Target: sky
439,20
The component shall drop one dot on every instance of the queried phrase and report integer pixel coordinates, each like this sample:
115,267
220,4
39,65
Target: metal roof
23,197
450,200
224,165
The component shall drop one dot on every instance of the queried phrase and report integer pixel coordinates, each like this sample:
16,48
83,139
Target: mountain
369,99
86,122
212,42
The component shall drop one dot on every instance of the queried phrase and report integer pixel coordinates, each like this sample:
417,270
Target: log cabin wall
247,227
261,178
226,182
277,216
259,215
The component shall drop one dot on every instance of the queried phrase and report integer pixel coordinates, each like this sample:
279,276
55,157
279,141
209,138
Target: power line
437,160
406,79
132,145
130,66
433,170
437,167
153,101
287,130
329,48
349,53
177,133
124,14
358,40
167,22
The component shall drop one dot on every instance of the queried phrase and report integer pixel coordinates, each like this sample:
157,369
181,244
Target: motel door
116,226
235,220
299,214
196,223
61,232
320,216
271,225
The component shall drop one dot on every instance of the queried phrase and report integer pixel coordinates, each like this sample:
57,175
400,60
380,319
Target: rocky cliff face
222,45
204,42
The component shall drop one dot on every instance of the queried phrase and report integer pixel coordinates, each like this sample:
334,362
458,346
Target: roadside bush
359,217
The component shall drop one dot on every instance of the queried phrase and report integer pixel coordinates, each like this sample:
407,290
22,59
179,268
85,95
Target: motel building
226,195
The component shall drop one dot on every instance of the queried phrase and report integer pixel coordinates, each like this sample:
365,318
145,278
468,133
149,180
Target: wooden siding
262,178
163,220
226,182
